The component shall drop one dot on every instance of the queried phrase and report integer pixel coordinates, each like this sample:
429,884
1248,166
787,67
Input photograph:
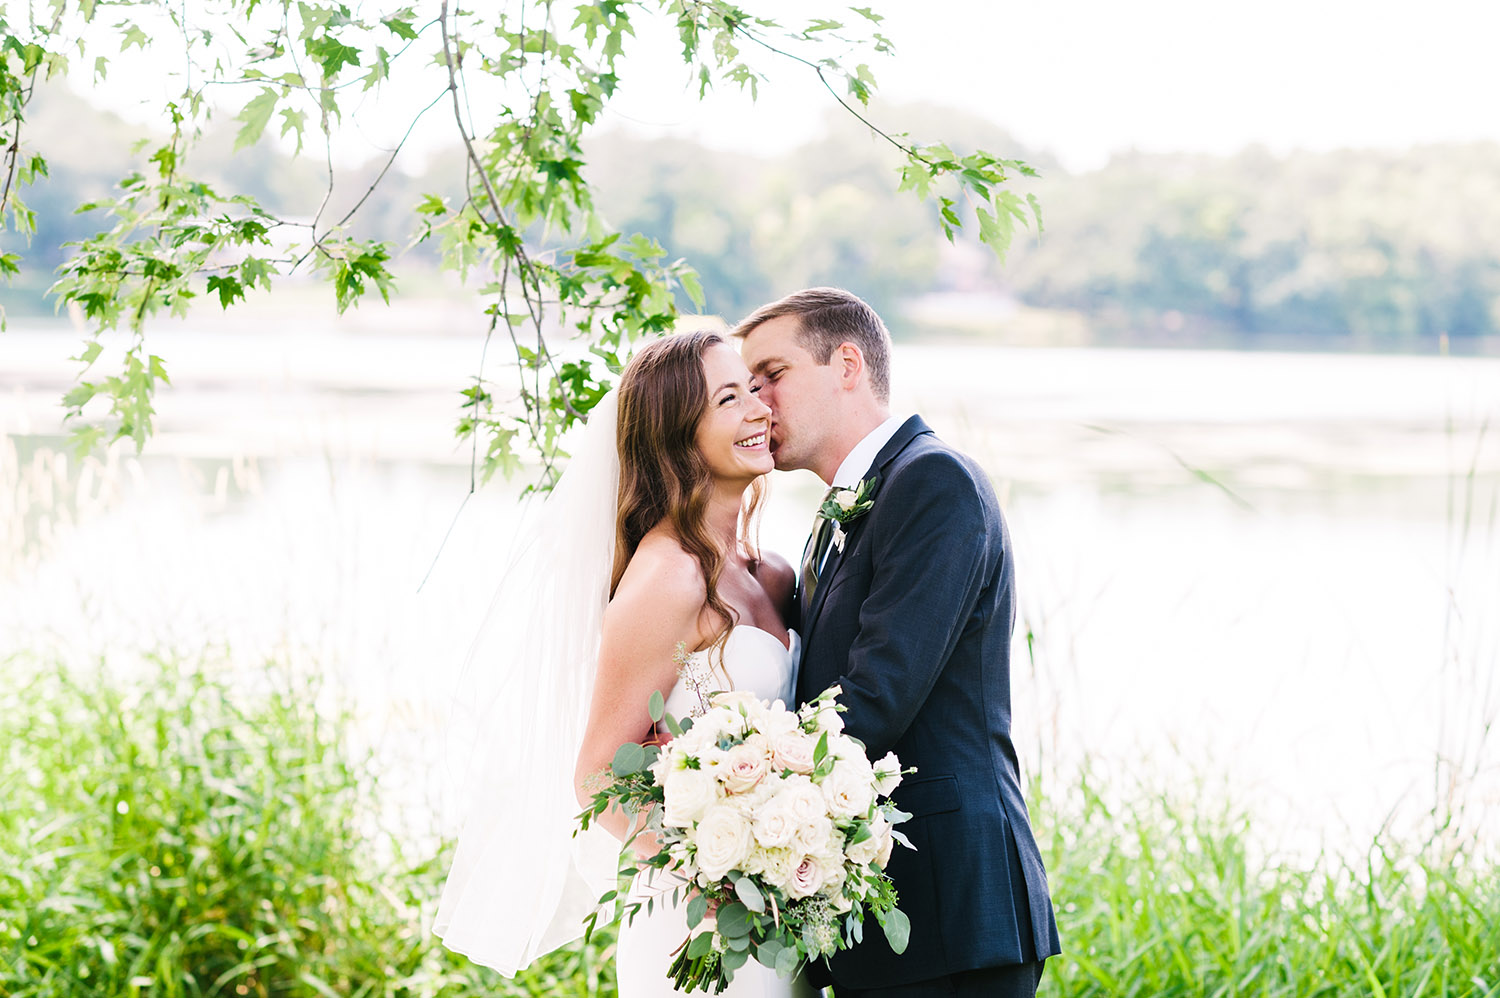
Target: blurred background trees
1352,249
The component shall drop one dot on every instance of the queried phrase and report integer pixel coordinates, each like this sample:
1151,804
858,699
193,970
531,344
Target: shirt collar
864,452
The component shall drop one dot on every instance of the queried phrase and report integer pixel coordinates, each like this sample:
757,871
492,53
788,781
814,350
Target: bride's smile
734,433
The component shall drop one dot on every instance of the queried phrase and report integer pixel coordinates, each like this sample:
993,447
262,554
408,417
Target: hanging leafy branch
522,81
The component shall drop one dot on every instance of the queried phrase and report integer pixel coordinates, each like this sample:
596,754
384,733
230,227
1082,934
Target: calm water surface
1279,571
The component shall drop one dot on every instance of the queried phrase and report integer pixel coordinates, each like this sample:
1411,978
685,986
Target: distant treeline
1377,249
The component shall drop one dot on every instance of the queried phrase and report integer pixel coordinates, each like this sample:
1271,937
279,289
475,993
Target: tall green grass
1178,895
190,834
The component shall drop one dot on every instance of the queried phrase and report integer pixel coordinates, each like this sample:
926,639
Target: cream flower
865,852
887,775
774,826
777,720
803,801
806,879
724,839
745,765
824,718
774,866
793,750
848,790
689,794
886,842
813,836
846,498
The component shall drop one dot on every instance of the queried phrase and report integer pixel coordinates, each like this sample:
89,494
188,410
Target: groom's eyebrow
767,362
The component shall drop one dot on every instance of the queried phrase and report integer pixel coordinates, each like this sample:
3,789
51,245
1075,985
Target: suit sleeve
930,552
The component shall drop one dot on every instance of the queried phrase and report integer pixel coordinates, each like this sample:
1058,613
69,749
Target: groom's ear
850,361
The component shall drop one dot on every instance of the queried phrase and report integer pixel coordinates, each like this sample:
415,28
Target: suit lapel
908,432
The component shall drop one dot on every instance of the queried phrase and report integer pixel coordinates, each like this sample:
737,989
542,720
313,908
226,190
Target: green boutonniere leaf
847,505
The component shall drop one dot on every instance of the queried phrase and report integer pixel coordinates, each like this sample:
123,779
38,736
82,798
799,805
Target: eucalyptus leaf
767,952
629,759
697,908
897,929
733,919
700,944
750,895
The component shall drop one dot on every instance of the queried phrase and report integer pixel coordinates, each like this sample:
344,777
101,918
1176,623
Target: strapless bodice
754,660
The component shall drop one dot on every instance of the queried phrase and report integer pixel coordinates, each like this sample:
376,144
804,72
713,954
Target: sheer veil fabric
521,883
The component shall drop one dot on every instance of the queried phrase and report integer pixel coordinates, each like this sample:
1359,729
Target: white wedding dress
757,662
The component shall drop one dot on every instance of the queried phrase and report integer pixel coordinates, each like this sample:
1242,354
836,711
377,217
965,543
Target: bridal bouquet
774,816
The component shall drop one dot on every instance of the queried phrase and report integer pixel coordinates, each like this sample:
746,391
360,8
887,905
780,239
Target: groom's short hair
828,317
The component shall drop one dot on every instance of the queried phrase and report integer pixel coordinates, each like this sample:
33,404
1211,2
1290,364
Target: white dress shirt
863,455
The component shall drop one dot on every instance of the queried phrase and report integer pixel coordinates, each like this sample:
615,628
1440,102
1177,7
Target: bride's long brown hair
663,395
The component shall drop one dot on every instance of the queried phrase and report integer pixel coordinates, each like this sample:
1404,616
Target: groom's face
802,393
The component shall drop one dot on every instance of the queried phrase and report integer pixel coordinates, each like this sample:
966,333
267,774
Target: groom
909,606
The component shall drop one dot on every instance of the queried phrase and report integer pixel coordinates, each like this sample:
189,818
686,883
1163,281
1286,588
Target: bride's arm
657,604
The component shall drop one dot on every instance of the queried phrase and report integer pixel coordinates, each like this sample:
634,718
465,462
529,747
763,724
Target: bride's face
733,435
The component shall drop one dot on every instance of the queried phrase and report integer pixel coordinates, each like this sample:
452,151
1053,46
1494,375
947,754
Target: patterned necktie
817,551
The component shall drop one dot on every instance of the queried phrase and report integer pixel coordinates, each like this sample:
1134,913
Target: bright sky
1084,78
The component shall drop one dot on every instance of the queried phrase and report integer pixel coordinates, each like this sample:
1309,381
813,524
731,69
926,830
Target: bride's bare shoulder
662,576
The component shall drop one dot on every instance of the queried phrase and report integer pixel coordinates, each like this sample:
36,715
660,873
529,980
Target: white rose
689,793
805,879
793,750
744,765
865,852
847,790
724,838
813,836
887,775
803,801
846,498
774,826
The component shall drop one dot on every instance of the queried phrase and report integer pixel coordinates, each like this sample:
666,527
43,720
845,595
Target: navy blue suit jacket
914,619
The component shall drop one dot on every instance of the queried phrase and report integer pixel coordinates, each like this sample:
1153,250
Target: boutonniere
847,505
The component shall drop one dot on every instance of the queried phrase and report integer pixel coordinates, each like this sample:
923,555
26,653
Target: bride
588,634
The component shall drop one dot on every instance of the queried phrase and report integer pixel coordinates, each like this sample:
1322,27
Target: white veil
521,884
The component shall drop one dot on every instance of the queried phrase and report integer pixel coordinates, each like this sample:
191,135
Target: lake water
1277,571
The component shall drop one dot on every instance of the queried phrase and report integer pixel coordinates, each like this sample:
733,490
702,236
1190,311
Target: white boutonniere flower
844,506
